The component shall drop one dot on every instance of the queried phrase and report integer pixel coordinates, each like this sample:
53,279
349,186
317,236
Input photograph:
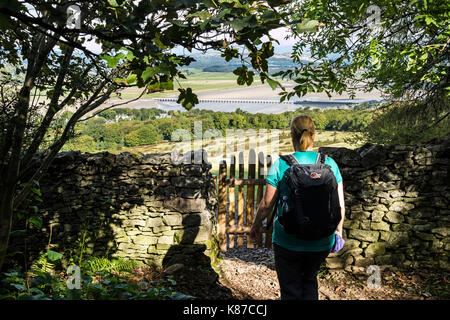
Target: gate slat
260,191
232,201
222,210
268,240
240,237
250,205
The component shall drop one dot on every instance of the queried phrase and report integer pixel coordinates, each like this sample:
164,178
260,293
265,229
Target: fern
104,264
43,264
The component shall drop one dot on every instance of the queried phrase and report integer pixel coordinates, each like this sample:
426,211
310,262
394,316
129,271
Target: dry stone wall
162,212
149,207
397,205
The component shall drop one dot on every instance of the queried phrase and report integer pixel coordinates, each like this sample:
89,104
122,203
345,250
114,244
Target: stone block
400,206
351,224
371,155
382,194
365,225
189,193
133,223
145,240
359,215
139,210
154,222
442,231
394,217
380,226
426,227
363,262
396,193
381,207
157,158
377,216
187,182
383,259
384,186
355,252
375,249
335,262
397,239
133,232
351,244
173,219
425,236
161,229
422,212
186,205
163,246
165,240
401,227
364,235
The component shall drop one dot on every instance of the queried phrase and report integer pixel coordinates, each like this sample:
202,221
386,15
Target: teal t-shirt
279,236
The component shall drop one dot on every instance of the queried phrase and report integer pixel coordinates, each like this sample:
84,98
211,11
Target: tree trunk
6,214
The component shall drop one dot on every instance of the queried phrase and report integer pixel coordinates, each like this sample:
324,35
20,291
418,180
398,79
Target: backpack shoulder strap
290,159
321,158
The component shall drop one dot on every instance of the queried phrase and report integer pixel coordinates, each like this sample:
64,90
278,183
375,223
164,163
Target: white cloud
92,46
280,35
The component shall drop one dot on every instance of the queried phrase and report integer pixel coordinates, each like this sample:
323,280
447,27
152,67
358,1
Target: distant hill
213,62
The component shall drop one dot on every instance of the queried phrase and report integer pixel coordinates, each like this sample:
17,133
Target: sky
278,34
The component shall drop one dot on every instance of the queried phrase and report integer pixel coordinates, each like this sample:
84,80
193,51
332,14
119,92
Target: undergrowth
99,279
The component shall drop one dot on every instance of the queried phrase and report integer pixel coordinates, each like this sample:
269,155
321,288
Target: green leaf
113,3
308,25
53,255
272,83
149,73
112,61
160,86
187,98
238,25
180,296
269,15
18,286
36,221
157,41
167,85
131,78
36,191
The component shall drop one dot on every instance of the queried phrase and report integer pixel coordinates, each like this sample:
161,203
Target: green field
198,80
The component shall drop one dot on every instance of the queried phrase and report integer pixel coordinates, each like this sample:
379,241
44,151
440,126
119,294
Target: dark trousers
297,273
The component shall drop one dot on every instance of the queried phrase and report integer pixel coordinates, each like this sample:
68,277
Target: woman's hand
254,232
265,208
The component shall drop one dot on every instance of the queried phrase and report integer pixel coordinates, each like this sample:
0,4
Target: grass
199,82
324,138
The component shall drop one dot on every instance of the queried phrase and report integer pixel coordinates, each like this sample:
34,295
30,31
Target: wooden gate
239,199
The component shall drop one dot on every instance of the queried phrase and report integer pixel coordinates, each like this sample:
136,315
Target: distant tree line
137,114
146,127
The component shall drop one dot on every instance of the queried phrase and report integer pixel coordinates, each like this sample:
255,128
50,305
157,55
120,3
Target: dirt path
250,274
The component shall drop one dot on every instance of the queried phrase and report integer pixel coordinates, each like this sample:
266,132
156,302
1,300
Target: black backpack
313,205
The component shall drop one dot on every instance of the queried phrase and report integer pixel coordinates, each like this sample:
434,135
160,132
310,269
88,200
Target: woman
296,261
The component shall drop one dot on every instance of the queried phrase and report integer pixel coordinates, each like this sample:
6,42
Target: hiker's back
311,211
313,201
